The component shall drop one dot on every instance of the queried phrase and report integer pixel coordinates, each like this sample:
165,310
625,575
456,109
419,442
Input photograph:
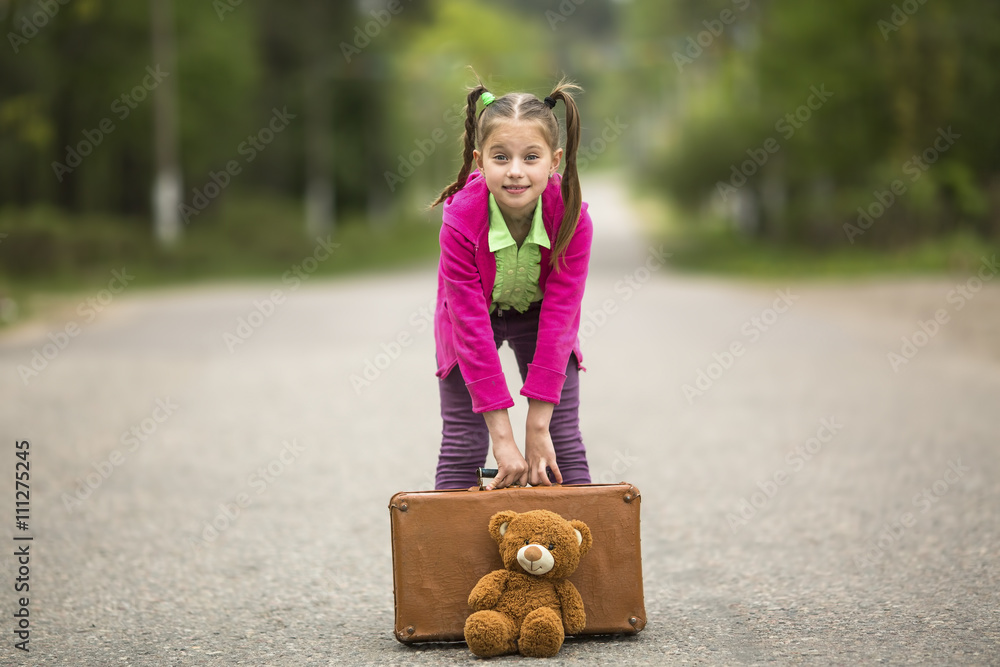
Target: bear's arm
573,616
487,592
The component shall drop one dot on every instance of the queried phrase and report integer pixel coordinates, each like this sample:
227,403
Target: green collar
500,236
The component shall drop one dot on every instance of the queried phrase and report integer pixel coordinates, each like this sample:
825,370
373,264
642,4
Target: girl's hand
538,447
511,466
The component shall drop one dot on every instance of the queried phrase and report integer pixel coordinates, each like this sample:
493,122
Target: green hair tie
487,98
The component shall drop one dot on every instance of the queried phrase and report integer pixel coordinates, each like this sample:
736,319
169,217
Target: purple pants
464,437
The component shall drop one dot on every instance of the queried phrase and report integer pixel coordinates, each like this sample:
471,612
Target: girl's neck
518,222
519,227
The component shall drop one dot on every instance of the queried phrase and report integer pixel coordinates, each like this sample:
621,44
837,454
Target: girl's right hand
511,467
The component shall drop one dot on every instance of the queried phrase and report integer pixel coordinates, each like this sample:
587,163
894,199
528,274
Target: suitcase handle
482,474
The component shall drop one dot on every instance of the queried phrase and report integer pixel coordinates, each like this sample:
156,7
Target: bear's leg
490,633
541,633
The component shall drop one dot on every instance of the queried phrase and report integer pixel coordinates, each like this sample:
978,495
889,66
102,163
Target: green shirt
518,269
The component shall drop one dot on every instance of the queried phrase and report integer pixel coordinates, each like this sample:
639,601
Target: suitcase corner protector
405,635
398,501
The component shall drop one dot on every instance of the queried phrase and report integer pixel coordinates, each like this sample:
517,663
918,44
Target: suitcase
441,547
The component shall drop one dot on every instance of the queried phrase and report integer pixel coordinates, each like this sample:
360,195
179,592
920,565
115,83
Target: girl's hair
524,106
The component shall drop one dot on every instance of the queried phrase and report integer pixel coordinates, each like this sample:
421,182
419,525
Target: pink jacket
466,274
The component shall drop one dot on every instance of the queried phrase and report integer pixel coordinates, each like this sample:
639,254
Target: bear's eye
552,546
526,541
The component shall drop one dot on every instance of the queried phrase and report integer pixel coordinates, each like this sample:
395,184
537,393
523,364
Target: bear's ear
499,523
583,536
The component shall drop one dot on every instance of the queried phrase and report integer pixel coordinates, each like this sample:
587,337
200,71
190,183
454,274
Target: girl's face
517,163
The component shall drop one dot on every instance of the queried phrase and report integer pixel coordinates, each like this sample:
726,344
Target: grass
729,254
47,256
709,246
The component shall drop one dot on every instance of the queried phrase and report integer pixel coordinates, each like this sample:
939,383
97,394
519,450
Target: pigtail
571,195
471,121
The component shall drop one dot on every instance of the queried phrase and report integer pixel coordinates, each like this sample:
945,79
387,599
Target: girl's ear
478,158
556,161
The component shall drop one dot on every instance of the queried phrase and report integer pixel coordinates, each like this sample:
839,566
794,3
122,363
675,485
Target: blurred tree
166,191
718,100
794,116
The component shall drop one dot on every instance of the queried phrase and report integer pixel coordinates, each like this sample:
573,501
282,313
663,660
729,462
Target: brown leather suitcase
441,547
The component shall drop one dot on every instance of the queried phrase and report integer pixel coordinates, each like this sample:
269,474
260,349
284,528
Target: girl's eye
499,157
531,157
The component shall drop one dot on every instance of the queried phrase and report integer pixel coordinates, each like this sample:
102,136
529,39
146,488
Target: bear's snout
535,559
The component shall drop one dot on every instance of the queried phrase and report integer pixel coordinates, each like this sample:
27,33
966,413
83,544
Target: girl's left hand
538,449
540,455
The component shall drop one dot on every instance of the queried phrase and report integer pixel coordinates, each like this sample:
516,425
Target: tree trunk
166,191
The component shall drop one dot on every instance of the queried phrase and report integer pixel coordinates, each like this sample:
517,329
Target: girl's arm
558,326
559,319
473,334
511,466
538,447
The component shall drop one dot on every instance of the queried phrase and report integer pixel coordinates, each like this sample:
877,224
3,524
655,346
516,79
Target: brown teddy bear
530,605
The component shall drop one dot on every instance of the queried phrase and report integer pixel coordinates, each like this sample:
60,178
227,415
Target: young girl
515,246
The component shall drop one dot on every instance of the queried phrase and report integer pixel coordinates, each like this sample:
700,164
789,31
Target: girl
515,246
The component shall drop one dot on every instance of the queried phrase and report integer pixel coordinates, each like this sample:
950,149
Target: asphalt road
210,493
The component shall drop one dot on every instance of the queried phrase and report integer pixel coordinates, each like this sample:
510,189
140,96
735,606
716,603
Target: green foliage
722,251
698,87
894,78
251,236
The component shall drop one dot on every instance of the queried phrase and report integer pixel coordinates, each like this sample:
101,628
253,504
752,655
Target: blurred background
201,497
199,140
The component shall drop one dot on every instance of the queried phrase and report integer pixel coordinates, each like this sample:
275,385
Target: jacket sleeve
559,319
478,358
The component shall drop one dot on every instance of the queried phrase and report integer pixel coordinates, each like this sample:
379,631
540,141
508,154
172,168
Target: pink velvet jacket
466,274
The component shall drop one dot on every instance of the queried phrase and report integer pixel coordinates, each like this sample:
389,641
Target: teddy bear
530,605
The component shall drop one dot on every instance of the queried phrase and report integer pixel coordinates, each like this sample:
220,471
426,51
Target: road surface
211,467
